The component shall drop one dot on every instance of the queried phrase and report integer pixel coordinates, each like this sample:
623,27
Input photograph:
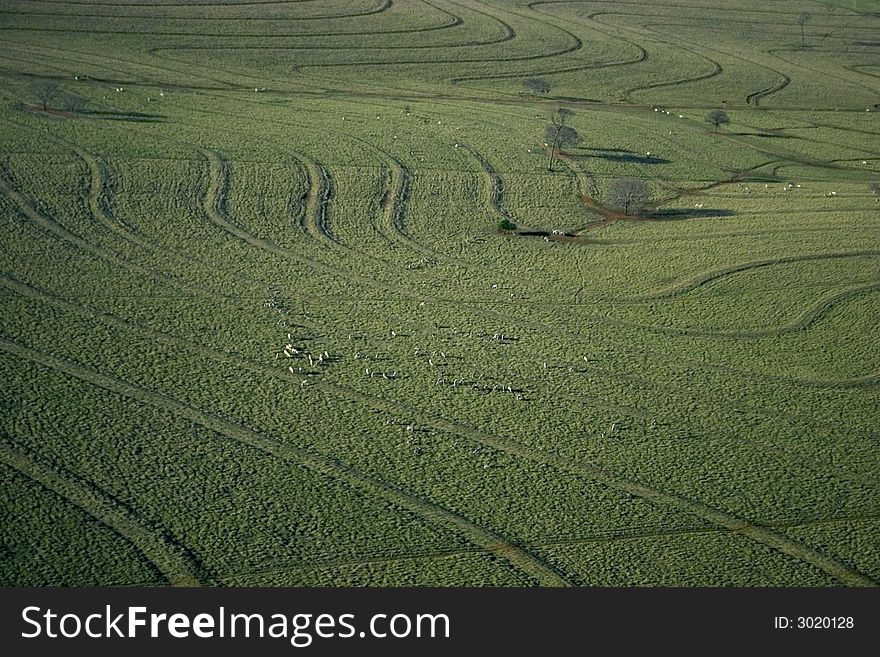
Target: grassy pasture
685,397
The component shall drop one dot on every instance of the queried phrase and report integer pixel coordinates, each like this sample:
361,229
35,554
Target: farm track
383,5
67,57
757,533
592,472
223,222
871,89
543,543
494,185
579,44
34,293
510,35
28,210
173,561
323,465
801,322
220,219
316,224
716,274
755,97
393,207
453,22
100,190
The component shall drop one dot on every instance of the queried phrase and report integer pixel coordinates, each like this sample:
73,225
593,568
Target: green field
259,326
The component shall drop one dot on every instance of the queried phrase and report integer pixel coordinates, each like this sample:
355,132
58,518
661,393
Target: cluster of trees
803,19
46,92
629,195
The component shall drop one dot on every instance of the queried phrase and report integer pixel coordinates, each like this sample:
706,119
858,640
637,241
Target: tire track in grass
29,211
758,533
641,54
394,207
494,185
716,274
323,465
384,5
801,322
758,96
311,199
228,226
867,380
609,536
99,205
216,214
509,36
316,222
451,22
163,551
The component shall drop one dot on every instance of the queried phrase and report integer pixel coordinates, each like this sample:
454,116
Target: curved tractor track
758,533
715,274
318,463
161,550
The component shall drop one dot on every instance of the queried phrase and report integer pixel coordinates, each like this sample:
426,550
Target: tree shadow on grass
674,214
620,155
121,116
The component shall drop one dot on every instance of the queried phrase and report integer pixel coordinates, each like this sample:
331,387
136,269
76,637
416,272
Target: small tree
875,188
559,135
802,19
506,224
538,86
73,103
44,91
717,117
628,194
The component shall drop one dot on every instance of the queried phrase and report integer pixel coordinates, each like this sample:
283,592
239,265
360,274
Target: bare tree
802,19
717,117
628,194
829,11
73,103
559,135
538,86
44,91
